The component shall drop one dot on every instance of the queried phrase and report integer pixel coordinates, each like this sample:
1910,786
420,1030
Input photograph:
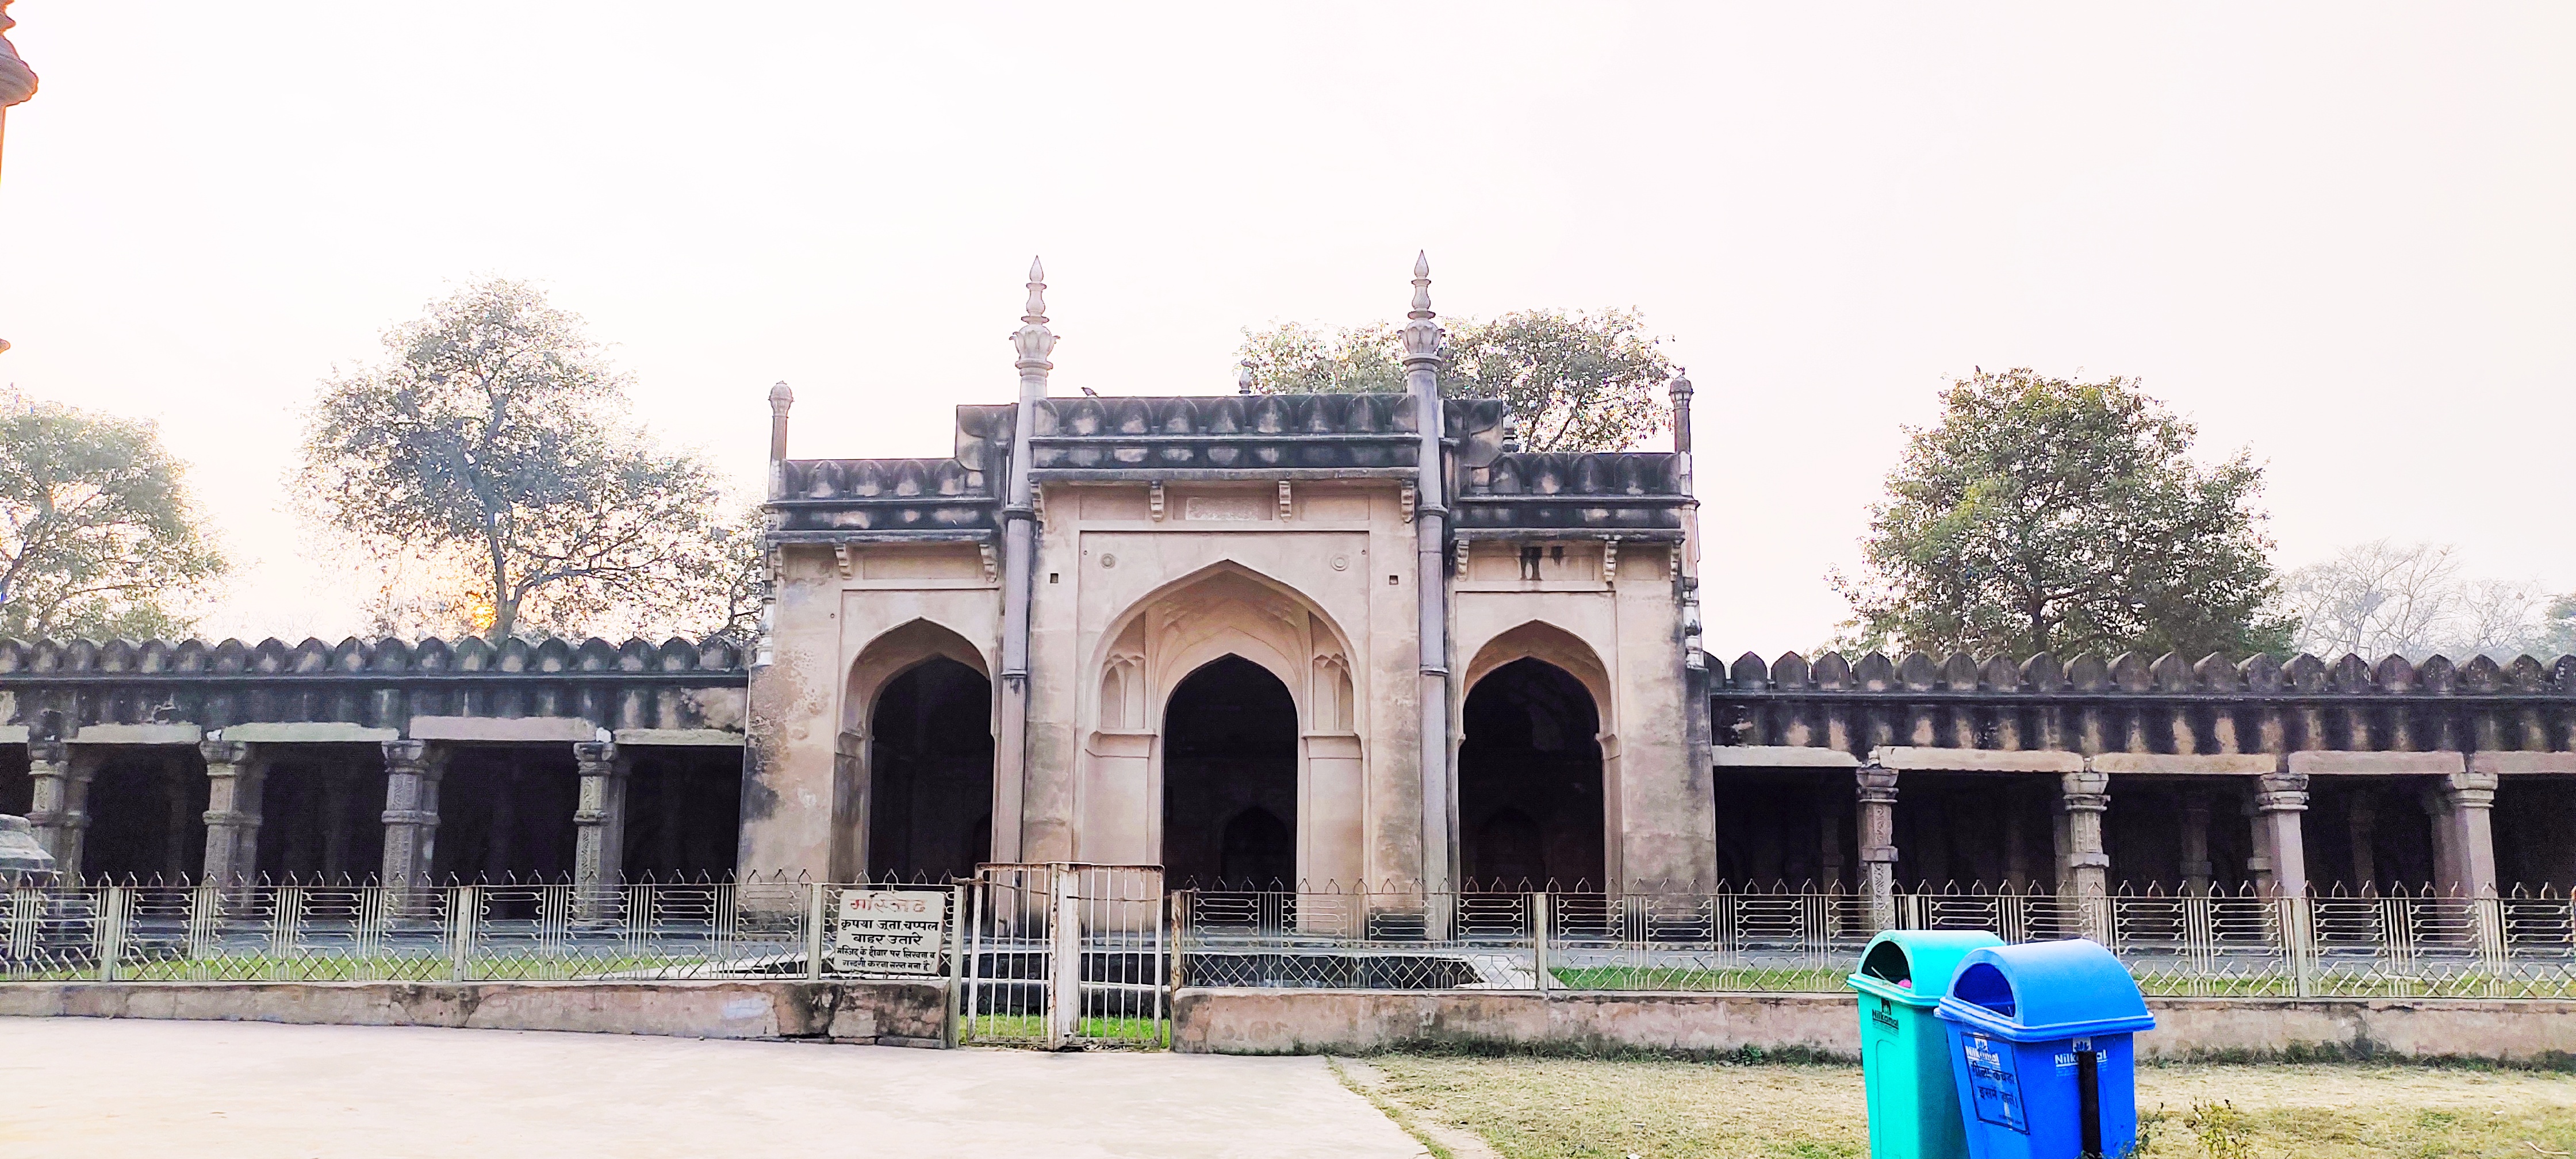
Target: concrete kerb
1816,1027
1821,1027
883,1013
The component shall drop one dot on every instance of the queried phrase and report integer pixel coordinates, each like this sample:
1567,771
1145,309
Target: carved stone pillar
59,812
2462,806
235,779
2280,862
412,770
599,852
2083,865
1876,789
2198,875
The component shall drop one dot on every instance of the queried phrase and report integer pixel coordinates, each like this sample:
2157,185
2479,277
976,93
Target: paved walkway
112,1087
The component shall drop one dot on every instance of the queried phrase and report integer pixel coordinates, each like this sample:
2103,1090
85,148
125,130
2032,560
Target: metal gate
1066,955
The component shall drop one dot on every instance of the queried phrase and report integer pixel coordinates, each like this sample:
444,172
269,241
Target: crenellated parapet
2133,704
1285,436
58,689
1618,494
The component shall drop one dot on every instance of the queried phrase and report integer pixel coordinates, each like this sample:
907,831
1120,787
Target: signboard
889,931
1993,1085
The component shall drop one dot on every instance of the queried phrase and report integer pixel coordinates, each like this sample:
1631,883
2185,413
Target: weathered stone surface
1253,1021
21,857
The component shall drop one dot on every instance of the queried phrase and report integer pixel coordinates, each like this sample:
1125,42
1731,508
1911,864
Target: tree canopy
2042,514
492,450
2414,599
101,539
1574,382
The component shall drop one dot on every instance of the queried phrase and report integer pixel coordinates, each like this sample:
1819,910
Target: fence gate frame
1066,955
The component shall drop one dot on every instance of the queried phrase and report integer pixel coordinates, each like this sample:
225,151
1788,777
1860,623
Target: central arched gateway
1538,766
1230,778
1222,739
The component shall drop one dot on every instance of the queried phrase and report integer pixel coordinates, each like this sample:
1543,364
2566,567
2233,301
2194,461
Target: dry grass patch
1546,1108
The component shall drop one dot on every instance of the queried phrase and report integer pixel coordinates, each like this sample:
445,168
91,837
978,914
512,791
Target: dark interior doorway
505,813
683,813
1230,779
930,773
147,815
322,813
1529,782
17,787
1972,831
2367,835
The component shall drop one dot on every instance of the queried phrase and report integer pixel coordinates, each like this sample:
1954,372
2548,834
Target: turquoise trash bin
1904,1052
2040,1050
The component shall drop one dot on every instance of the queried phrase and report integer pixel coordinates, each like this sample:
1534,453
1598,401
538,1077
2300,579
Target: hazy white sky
2339,233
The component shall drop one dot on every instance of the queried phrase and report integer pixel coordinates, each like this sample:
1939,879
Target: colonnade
237,776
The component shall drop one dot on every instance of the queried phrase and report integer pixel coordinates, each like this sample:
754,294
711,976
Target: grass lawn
1545,1108
1011,1028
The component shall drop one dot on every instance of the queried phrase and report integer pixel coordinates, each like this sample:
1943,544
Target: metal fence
463,933
2410,945
1088,955
1061,955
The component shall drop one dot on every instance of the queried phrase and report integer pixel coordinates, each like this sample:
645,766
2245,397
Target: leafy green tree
101,537
2041,514
493,443
1574,382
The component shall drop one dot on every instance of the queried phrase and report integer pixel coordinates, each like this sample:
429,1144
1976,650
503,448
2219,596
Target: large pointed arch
912,785
1537,761
1223,613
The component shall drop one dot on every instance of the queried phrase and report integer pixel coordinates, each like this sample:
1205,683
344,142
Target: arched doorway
1530,799
930,773
1230,778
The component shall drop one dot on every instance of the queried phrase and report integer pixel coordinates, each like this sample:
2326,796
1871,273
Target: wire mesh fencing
2419,944
482,932
1064,955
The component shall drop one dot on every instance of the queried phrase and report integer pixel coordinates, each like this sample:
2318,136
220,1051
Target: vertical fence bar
974,949
1179,902
1064,985
1538,941
814,931
948,1027
110,932
462,915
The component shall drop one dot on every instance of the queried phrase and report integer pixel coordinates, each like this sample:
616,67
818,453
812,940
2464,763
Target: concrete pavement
113,1087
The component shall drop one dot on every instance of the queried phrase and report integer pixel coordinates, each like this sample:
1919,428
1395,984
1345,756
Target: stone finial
1034,341
1243,377
17,81
1681,393
1421,333
781,398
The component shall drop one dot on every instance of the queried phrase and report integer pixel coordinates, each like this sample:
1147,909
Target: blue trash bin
2040,1050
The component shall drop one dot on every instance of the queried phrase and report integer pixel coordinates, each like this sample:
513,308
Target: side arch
1538,786
880,766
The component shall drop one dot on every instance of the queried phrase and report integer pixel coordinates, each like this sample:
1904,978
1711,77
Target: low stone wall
892,1013
1254,1021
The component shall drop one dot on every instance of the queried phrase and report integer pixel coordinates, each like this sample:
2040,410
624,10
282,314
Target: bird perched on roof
1087,392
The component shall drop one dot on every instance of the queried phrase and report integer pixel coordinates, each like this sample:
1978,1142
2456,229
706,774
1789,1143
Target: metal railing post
1064,975
111,932
814,931
949,1029
1180,903
462,906
1538,940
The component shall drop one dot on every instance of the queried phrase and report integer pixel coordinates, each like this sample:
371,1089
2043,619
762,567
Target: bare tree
2412,599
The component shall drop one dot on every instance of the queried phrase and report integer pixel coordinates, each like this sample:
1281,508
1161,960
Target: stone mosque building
1337,640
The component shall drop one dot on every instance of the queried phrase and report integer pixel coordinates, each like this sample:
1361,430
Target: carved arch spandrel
1222,609
896,651
1536,639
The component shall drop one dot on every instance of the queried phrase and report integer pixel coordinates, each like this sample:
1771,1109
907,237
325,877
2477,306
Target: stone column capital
48,750
416,757
2086,792
1875,785
2281,792
598,758
219,752
2470,789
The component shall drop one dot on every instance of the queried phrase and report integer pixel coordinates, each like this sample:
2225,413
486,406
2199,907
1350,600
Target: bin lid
2045,990
1914,966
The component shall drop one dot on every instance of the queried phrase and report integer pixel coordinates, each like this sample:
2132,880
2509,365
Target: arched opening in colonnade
1230,778
930,773
1531,789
